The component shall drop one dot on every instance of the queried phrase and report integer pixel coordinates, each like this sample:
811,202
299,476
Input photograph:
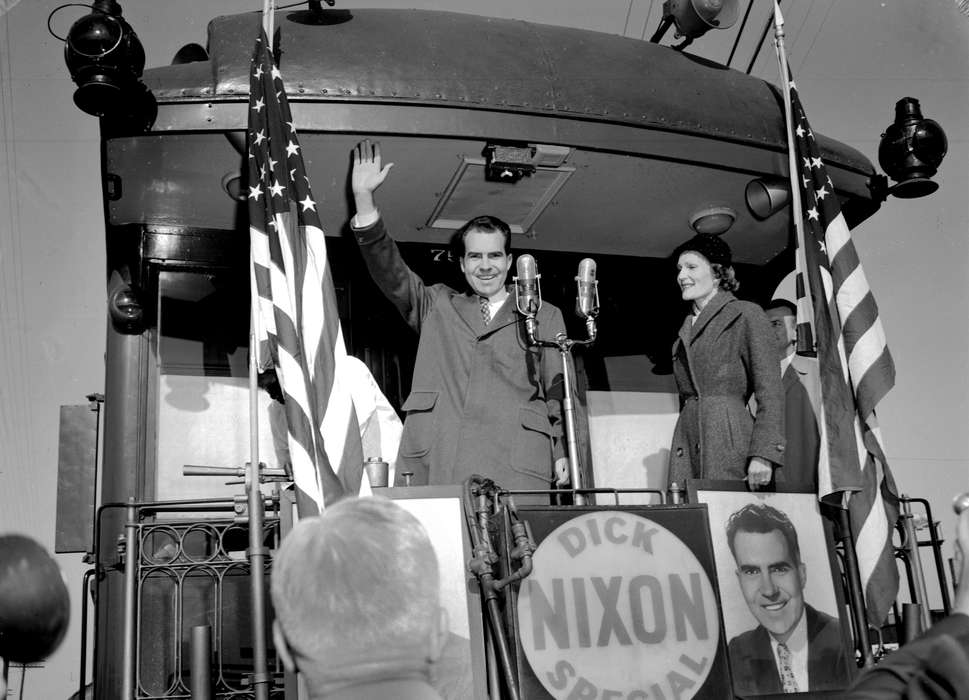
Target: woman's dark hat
712,247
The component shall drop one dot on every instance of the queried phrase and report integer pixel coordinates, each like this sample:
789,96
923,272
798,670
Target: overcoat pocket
532,447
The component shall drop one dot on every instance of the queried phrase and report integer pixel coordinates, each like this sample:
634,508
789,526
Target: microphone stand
478,495
564,345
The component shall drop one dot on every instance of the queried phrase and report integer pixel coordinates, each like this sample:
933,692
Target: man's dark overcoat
482,401
719,360
801,388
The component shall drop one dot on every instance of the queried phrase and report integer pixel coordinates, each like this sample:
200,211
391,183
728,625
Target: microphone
587,297
528,292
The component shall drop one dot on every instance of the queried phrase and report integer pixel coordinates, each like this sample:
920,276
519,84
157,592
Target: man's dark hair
482,224
782,304
762,518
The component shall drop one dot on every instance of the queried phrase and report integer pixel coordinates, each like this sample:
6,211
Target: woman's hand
759,473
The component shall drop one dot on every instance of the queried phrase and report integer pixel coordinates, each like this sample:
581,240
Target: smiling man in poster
794,648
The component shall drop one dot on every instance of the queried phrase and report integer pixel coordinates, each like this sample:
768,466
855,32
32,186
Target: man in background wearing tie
795,647
801,399
482,400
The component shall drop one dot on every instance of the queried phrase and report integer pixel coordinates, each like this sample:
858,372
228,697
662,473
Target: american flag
297,326
856,369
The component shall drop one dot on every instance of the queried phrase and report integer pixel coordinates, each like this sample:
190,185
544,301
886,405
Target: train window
203,382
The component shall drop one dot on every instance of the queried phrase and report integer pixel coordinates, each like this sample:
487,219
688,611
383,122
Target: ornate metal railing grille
192,574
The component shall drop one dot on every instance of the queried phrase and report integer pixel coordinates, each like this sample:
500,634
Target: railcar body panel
634,140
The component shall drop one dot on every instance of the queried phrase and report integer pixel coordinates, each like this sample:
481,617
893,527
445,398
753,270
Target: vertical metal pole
257,552
915,560
856,596
568,408
911,621
201,669
85,584
800,262
129,657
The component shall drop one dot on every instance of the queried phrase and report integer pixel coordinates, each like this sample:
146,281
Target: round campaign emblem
617,607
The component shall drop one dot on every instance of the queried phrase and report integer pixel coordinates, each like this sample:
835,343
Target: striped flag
856,369
297,326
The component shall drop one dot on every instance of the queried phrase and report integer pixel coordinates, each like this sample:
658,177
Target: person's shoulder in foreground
934,666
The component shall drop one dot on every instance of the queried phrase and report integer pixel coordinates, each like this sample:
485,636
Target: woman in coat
724,353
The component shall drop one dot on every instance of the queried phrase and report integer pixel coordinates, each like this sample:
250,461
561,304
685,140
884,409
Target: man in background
801,400
794,648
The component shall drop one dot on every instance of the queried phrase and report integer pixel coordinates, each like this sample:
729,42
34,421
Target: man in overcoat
801,400
482,400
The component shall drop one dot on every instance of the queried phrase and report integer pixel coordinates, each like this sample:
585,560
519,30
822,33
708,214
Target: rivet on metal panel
324,91
346,91
438,96
300,90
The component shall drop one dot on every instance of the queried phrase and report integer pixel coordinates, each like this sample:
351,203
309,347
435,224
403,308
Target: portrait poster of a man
783,619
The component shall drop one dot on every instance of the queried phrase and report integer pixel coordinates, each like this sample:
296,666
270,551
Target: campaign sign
621,605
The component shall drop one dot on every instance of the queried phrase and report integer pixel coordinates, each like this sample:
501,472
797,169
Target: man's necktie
485,310
787,673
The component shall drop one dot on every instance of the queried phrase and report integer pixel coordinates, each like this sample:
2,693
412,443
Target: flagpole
797,208
268,19
856,594
257,550
256,505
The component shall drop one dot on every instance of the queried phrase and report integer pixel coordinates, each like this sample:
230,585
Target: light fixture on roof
767,197
105,58
508,163
694,18
714,219
910,152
